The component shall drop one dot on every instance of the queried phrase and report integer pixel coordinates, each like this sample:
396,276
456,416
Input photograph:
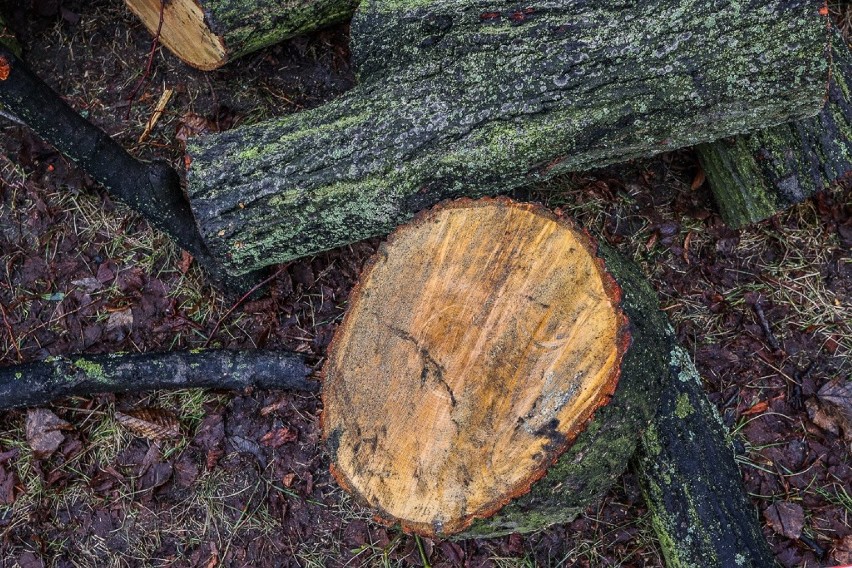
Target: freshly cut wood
492,353
208,33
38,383
755,176
493,99
692,485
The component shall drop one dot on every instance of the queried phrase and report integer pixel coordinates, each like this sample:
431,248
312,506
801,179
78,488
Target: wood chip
150,423
158,112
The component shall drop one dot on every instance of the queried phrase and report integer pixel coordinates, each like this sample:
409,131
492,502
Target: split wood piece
757,175
209,33
495,100
492,354
34,384
151,189
693,488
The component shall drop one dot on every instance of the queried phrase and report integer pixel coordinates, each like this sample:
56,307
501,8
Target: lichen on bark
495,99
756,175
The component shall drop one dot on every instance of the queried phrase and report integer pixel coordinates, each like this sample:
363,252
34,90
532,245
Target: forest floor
82,273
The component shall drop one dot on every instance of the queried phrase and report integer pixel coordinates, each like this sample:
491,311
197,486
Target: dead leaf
151,423
184,262
288,479
43,432
279,437
698,180
786,519
122,319
842,553
836,398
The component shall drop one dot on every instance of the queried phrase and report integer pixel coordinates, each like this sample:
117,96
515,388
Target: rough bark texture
479,354
477,98
691,482
34,384
757,175
151,189
209,33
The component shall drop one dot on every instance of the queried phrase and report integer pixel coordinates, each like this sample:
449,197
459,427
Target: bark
7,38
478,98
151,189
693,488
757,175
208,33
34,384
481,371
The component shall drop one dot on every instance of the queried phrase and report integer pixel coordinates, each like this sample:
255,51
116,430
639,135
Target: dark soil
766,311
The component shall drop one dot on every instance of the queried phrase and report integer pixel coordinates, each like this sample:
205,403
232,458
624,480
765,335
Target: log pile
463,100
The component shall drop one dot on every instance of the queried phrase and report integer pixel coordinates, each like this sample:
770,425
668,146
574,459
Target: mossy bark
476,98
691,482
601,453
151,189
757,175
38,383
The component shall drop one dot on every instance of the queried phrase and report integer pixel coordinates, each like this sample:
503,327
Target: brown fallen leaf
279,437
698,180
836,398
43,432
150,423
786,519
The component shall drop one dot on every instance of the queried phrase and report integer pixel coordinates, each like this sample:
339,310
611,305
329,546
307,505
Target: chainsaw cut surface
478,344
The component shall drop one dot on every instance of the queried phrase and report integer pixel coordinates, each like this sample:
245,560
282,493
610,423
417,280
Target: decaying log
7,37
151,189
38,383
693,488
493,98
208,33
492,355
755,176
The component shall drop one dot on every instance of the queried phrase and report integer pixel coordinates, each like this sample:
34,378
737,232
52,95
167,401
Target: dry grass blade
151,423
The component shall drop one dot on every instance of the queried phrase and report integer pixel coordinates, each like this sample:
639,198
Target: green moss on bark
691,483
755,176
488,103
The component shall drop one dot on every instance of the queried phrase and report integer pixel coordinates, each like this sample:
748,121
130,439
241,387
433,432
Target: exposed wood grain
476,347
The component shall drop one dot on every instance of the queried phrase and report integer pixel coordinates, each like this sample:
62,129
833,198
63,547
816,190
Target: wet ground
767,313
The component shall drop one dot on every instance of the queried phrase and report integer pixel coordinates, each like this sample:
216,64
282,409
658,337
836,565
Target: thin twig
239,302
154,44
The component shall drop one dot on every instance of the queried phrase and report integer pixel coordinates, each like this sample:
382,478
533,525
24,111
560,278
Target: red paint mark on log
823,10
521,15
489,16
5,68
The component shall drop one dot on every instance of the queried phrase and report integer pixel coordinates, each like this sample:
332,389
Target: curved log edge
691,483
421,329
34,384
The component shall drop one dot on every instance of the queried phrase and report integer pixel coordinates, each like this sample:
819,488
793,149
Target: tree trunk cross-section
756,175
478,346
492,99
209,33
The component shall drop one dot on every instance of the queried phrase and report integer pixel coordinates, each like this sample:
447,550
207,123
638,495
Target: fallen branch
34,384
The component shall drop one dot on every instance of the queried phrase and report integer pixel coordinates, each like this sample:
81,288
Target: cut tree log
38,383
685,465
208,33
474,98
755,176
151,189
492,354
